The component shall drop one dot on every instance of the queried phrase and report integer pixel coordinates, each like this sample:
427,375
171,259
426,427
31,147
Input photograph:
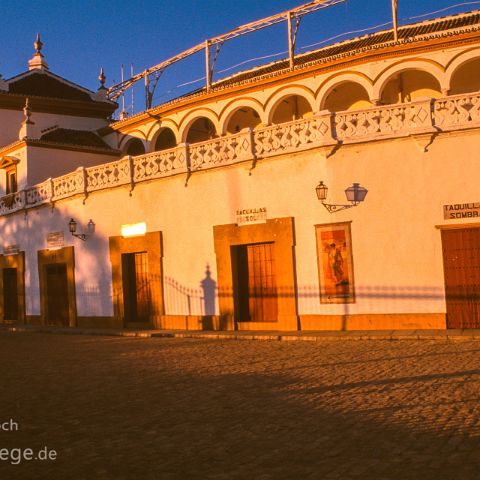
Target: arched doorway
409,85
200,130
293,107
347,96
135,147
165,140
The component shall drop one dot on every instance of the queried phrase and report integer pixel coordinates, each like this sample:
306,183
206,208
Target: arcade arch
347,96
465,78
164,139
242,117
200,130
134,147
290,108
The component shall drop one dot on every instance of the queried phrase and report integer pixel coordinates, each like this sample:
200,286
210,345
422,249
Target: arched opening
466,78
165,140
135,147
347,96
243,117
293,107
200,130
409,85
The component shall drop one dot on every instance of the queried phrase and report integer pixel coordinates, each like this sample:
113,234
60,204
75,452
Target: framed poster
335,264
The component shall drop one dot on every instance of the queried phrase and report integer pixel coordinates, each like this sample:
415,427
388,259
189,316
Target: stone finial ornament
27,111
38,44
102,78
101,94
37,62
28,129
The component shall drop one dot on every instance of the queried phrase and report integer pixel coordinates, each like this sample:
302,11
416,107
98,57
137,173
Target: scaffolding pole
394,16
117,90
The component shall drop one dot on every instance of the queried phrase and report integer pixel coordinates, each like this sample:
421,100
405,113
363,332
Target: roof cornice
28,142
16,101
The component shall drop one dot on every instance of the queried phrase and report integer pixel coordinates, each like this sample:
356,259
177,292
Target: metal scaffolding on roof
152,75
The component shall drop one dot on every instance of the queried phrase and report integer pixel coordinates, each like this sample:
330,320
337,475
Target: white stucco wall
44,162
11,122
396,248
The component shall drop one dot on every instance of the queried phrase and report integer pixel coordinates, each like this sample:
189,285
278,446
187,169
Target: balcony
422,117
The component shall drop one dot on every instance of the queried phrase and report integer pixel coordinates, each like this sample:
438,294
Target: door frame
129,267
62,255
151,243
280,232
444,228
17,261
241,283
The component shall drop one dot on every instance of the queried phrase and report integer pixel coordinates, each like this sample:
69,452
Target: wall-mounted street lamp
72,226
355,194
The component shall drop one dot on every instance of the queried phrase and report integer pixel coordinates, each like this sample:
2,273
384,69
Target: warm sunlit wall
396,247
51,162
11,121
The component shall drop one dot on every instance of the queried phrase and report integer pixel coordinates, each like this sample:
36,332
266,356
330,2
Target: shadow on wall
182,300
29,232
93,277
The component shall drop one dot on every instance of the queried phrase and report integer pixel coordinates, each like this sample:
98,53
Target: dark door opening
254,283
10,295
136,287
57,294
461,262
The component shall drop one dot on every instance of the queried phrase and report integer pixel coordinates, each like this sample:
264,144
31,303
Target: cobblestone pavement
132,408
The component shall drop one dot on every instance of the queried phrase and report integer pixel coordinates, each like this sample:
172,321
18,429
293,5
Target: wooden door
256,283
461,261
262,289
10,294
136,287
57,294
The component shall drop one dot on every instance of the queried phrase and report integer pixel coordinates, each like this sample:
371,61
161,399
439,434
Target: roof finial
28,130
102,78
37,62
27,112
38,45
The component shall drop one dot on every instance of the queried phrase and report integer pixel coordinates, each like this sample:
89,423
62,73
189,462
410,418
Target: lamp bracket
81,236
332,208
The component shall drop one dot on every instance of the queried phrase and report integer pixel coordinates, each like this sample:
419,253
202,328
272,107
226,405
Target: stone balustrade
324,129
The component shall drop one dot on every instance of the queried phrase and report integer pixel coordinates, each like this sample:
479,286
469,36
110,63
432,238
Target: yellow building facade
204,210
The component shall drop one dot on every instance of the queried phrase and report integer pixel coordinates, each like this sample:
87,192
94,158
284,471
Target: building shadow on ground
118,409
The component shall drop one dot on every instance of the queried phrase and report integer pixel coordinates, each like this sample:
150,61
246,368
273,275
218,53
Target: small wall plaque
55,240
461,210
251,215
11,249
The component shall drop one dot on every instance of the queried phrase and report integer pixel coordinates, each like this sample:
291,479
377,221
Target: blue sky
80,36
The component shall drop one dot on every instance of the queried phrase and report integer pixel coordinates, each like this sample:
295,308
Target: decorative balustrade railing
221,151
160,164
294,136
387,120
109,175
457,111
12,202
39,194
421,116
69,184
